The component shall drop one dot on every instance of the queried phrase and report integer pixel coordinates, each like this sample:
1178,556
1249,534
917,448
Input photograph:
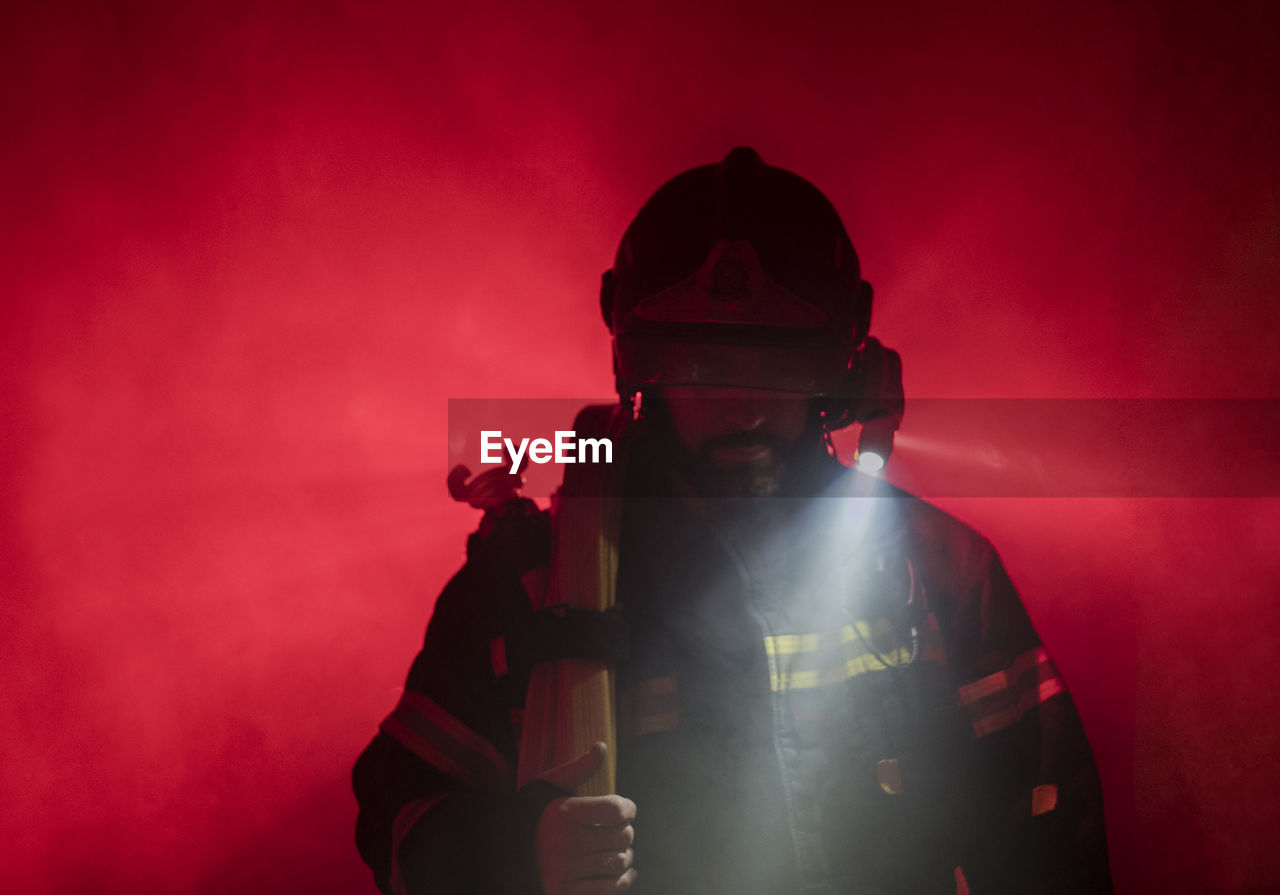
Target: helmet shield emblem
731,287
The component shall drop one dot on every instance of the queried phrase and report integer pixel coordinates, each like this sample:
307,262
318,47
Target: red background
251,250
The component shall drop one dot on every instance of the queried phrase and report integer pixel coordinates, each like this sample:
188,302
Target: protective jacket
831,694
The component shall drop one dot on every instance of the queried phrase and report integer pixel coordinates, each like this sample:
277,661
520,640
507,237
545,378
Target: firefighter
825,685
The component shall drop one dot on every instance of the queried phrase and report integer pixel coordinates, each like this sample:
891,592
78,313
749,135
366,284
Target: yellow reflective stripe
649,706
787,644
1028,660
1044,798
889,776
1001,680
784,678
995,721
1001,699
793,657
790,644
982,688
408,816
1046,691
441,740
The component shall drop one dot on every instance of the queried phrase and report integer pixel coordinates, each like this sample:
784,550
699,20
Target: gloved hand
583,843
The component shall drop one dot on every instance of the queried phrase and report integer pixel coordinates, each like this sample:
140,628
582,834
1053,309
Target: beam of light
952,448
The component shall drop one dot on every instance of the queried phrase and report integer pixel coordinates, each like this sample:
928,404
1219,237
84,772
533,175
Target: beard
774,474
779,472
766,476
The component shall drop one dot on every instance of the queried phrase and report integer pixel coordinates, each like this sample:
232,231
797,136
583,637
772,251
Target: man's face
736,442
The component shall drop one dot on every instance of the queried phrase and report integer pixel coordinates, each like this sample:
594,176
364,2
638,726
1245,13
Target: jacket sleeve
439,812
1033,787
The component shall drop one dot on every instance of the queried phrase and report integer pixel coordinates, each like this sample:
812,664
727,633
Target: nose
740,409
744,415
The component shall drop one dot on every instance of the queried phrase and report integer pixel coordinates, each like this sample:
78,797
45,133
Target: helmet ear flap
871,390
623,389
608,284
862,312
872,387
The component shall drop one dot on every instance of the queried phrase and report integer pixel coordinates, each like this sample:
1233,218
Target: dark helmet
736,274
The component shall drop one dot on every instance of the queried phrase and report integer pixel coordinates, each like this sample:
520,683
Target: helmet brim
800,369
